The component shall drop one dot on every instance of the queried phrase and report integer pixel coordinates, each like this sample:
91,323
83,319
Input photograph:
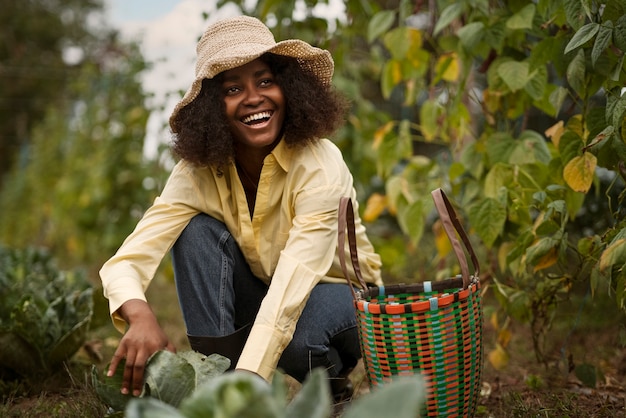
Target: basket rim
364,305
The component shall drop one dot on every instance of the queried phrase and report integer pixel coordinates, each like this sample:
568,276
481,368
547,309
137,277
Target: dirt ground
589,336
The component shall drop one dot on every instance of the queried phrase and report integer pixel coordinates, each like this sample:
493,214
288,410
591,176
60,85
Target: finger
115,361
128,371
138,372
170,347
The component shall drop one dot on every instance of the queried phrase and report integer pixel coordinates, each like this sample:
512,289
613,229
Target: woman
250,214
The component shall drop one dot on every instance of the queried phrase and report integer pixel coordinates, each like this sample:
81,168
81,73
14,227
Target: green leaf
557,97
471,34
514,74
391,77
410,219
574,13
150,408
450,13
576,73
313,399
430,111
205,367
619,109
379,24
603,40
488,218
619,33
405,396
169,377
109,388
523,19
530,148
500,176
581,36
233,394
536,86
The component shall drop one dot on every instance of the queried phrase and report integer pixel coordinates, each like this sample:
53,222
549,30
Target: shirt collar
283,155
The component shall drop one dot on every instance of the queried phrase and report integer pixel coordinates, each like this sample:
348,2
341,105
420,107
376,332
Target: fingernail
136,392
124,391
109,373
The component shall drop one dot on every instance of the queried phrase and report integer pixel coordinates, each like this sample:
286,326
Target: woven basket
430,328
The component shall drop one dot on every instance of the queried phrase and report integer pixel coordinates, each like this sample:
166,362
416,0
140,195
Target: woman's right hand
143,338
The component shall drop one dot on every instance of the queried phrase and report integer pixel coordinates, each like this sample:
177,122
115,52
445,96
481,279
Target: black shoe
341,386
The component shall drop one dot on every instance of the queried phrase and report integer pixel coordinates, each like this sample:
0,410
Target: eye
231,90
266,82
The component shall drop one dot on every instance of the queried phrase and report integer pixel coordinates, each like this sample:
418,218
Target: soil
583,373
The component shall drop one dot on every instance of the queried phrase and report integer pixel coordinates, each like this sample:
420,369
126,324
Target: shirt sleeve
128,273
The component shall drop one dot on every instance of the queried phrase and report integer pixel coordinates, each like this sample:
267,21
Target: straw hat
236,41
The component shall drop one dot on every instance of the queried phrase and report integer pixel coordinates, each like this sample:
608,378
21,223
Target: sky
167,31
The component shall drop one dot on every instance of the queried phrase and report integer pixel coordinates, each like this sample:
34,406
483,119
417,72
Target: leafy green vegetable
44,312
169,378
240,394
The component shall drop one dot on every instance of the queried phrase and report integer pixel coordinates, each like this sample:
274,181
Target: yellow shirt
290,243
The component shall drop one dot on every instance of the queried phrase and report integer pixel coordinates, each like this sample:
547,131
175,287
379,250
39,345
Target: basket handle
346,222
450,224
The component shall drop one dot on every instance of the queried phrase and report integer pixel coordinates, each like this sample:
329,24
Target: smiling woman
250,213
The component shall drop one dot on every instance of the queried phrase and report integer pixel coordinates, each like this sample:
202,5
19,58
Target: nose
253,96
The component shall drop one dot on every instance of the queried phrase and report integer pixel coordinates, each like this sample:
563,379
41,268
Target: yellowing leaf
447,67
547,260
579,172
555,131
380,133
442,243
376,204
614,254
493,320
504,337
498,358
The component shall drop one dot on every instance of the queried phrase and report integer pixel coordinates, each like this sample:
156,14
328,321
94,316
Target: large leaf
150,408
313,399
487,217
615,253
602,41
169,377
109,388
523,19
576,73
515,74
402,398
580,171
380,23
450,13
234,394
530,148
470,35
206,368
583,35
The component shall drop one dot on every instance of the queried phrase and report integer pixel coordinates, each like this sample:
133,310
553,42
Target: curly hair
313,111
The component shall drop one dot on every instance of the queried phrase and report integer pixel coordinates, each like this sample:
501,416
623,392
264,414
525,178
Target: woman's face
255,105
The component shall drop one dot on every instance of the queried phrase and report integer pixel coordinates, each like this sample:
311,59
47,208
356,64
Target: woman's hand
143,338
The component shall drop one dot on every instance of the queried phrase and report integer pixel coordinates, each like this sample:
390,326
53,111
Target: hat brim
314,60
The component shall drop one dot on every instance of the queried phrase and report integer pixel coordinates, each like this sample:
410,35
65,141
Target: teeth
256,116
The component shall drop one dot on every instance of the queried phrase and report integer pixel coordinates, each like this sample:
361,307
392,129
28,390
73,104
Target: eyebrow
257,74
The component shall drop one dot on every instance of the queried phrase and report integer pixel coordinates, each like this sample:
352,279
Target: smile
257,118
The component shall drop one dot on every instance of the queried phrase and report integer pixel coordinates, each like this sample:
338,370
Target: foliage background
515,108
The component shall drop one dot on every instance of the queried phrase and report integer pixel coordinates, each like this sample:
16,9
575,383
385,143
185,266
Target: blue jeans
218,294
